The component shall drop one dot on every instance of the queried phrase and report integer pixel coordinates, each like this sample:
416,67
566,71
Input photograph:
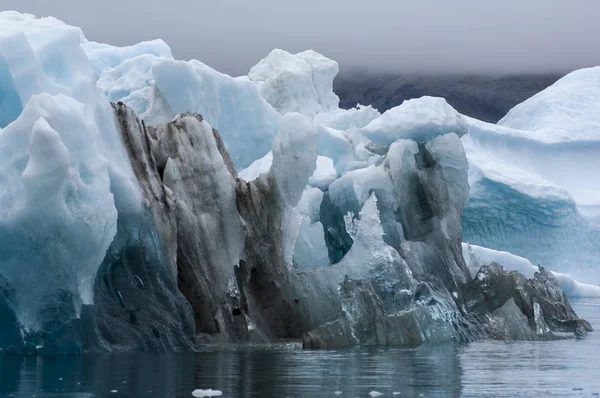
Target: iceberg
342,227
534,198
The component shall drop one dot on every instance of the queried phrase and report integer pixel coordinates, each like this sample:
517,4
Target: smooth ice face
294,156
416,119
257,168
234,106
310,250
61,164
567,111
325,173
310,203
300,83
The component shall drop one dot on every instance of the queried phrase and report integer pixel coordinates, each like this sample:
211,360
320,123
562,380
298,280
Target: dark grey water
488,368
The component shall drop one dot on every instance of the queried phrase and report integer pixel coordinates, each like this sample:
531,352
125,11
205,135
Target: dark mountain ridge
487,98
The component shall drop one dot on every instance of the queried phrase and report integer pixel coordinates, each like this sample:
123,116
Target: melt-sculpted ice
61,165
542,158
344,228
417,119
324,174
553,184
300,83
146,78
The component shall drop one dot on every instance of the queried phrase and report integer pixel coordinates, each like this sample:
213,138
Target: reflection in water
486,368
243,372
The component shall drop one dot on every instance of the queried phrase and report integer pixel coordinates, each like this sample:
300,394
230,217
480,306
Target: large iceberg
534,198
342,227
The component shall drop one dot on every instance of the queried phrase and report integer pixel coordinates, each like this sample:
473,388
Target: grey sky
459,36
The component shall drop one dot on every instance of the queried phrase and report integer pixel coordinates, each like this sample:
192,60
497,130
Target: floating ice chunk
417,119
325,173
300,83
375,394
206,393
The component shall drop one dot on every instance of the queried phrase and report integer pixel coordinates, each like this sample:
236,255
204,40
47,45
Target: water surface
486,368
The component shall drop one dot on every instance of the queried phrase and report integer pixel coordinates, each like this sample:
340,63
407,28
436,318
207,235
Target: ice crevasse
334,211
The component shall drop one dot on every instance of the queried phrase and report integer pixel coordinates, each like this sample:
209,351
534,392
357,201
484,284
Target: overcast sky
458,36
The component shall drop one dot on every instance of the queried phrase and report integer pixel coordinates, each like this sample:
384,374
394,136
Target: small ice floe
375,394
206,393
337,392
114,391
396,393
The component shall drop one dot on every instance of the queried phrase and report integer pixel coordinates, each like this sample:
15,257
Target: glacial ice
543,159
61,165
567,111
417,119
300,83
554,186
324,174
343,226
258,167
146,78
476,256
294,156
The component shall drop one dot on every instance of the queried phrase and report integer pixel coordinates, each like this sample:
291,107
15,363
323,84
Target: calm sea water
488,368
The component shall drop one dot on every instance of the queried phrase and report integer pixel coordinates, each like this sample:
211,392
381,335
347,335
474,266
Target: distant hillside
487,98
